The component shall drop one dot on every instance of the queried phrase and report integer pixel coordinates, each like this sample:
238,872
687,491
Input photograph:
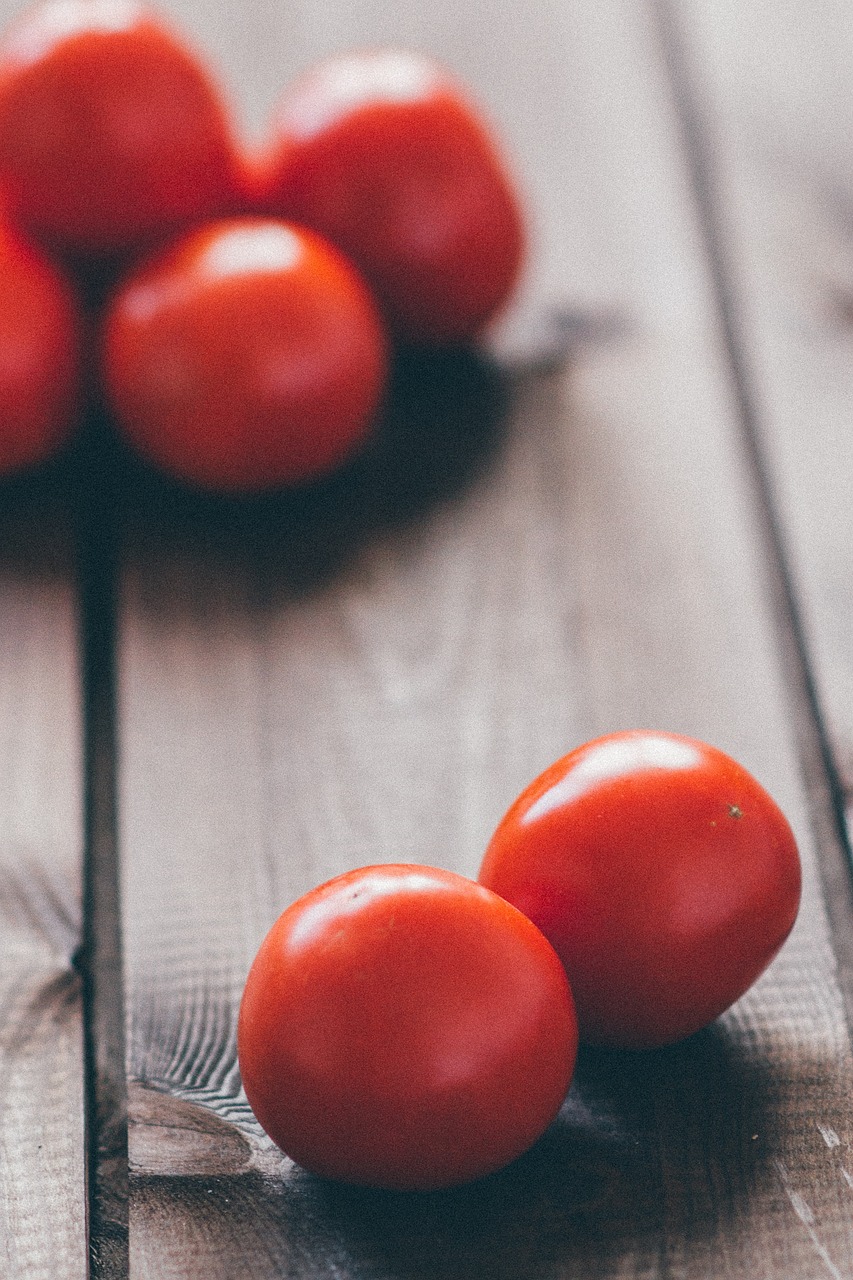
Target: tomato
403,1027
40,338
246,356
664,875
382,153
111,132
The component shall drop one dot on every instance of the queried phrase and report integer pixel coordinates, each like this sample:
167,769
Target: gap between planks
100,958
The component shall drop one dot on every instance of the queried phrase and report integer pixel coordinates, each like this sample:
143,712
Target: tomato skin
111,131
402,1027
663,874
246,356
381,152
40,354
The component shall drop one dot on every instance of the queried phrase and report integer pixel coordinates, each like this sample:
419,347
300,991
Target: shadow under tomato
36,513
655,1156
647,1143
443,422
648,1146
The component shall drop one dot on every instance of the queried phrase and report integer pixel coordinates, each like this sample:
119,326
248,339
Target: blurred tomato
381,152
111,131
663,874
40,338
403,1027
245,356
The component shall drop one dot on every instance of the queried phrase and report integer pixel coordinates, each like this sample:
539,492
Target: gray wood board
597,563
42,1150
42,1147
781,122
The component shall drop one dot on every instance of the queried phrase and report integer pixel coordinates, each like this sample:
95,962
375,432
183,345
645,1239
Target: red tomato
40,335
111,132
246,356
381,152
402,1027
664,875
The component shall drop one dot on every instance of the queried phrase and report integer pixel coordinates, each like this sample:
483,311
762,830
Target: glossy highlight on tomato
382,152
403,1027
40,354
246,356
112,132
663,874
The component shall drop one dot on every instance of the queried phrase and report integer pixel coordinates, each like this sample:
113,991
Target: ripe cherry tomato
381,152
246,356
664,875
111,132
403,1027
40,336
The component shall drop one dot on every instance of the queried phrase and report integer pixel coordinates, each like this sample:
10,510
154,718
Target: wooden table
639,515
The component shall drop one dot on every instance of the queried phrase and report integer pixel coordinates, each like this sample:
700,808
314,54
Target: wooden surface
608,565
637,515
42,1139
780,122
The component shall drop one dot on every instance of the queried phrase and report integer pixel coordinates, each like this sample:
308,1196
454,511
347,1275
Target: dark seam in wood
821,769
100,957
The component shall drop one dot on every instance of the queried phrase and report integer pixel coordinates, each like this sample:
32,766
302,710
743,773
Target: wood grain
372,671
43,1192
42,1142
781,130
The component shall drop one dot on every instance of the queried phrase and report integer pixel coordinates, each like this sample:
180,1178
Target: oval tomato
111,132
40,339
403,1027
381,152
664,875
246,356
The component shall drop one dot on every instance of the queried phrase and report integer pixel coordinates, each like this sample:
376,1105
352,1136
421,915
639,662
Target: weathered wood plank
603,569
42,1142
781,120
42,1127
43,1195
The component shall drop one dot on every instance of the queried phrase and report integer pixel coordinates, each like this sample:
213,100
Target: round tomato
40,338
111,132
246,356
403,1027
381,152
664,875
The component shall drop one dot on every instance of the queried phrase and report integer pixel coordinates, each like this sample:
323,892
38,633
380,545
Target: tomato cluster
409,1028
254,295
